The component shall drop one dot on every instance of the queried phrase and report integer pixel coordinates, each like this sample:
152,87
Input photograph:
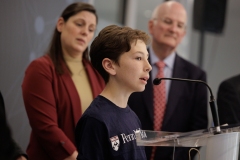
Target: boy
107,128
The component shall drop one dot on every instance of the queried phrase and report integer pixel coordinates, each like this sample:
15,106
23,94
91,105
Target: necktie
159,99
159,102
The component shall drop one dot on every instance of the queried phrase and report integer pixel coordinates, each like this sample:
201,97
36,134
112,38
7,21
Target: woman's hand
21,158
73,156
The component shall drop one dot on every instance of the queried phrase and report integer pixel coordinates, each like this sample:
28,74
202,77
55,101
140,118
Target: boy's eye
138,58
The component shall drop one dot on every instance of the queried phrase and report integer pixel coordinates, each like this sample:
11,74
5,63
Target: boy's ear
60,24
109,66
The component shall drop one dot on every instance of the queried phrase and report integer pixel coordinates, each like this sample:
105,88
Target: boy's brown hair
112,42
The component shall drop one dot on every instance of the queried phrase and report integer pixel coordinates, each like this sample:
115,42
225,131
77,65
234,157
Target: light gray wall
222,51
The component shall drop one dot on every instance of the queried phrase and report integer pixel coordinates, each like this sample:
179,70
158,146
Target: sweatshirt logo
126,138
132,137
115,143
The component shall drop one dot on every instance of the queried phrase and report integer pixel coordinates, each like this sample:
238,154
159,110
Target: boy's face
133,70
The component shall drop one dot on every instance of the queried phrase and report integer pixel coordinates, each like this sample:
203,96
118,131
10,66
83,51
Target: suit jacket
9,149
228,100
186,109
53,108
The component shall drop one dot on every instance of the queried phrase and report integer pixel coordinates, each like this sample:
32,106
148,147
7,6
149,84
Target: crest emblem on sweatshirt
115,143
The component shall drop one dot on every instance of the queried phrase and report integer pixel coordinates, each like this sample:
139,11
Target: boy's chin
141,90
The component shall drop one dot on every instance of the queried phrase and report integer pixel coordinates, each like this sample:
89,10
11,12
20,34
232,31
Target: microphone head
156,81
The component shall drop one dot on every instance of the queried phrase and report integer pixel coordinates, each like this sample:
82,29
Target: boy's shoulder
99,108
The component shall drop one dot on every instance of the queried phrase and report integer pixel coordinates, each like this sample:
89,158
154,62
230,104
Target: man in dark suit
186,102
228,100
9,150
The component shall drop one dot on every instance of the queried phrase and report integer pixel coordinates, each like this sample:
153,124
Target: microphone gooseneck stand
213,106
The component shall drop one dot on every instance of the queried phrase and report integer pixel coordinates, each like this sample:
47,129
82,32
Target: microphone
213,106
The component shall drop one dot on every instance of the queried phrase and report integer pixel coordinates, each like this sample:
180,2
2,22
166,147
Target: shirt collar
169,60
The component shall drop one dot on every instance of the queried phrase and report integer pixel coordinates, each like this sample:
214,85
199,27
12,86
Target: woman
58,87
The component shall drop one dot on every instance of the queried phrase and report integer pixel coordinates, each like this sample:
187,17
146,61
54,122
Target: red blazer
53,108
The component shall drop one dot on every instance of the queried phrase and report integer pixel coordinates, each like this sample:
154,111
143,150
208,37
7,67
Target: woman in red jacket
59,86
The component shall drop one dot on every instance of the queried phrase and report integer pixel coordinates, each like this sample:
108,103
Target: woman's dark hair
55,48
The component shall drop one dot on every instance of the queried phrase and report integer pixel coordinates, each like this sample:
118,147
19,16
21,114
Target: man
228,100
9,149
184,106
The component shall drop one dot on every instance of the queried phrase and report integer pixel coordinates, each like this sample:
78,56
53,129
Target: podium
221,146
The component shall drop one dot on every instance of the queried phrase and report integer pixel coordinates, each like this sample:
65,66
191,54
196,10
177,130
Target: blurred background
27,25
